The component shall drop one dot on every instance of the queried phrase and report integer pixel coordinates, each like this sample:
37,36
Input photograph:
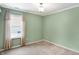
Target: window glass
16,29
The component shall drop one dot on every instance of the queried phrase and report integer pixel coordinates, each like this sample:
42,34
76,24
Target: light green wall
33,27
2,15
63,28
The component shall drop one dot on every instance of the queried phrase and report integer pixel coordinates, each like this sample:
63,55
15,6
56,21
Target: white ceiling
33,7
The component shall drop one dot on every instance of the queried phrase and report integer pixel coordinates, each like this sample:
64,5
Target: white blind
16,25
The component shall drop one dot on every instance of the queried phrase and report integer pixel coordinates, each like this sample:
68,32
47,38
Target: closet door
16,30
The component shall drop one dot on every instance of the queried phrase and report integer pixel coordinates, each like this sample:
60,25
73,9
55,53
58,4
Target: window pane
16,25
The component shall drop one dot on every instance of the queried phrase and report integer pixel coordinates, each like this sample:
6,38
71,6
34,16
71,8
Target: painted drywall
2,28
33,27
63,28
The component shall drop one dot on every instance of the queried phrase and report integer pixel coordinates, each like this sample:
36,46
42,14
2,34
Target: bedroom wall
63,28
2,28
33,27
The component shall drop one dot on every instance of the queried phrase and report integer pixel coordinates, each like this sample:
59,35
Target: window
16,25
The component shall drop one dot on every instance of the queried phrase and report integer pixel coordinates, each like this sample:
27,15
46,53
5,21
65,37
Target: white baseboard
2,50
62,46
45,41
35,42
59,45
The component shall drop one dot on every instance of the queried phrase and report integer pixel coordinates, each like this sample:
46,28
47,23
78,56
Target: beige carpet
40,48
